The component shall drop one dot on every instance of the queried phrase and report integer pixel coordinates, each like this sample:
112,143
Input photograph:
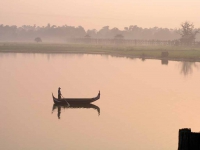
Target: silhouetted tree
119,36
188,33
38,39
92,32
87,36
104,32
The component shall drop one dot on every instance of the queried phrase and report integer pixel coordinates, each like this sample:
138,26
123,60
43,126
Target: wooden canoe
75,100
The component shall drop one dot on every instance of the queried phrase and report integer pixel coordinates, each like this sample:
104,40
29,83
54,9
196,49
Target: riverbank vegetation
191,53
133,41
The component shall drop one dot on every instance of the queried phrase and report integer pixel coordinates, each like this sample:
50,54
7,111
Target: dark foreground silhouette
73,101
74,106
188,140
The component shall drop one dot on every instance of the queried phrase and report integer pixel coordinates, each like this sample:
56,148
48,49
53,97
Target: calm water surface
143,103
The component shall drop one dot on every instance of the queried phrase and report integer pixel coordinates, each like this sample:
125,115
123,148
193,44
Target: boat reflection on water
79,106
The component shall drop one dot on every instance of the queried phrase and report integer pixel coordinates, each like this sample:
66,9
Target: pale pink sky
98,13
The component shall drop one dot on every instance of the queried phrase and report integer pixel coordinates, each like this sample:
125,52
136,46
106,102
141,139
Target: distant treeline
126,41
67,33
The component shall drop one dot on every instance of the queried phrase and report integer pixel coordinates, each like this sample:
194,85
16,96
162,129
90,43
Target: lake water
143,104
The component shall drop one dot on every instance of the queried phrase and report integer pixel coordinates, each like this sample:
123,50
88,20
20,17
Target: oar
66,101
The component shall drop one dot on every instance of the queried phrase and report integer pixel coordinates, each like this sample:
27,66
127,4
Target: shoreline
176,53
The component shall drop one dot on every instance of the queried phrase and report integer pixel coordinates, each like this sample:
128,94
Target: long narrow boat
75,100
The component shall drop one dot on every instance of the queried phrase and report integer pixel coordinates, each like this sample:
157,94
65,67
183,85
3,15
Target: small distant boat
75,100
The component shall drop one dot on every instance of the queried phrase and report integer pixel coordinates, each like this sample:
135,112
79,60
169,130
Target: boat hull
75,100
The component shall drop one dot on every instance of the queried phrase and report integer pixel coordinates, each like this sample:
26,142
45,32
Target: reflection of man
59,112
59,93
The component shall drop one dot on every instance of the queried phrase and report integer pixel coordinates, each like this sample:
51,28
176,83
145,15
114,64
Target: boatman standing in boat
59,93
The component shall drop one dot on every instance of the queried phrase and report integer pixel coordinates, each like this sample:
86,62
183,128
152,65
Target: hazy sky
98,13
